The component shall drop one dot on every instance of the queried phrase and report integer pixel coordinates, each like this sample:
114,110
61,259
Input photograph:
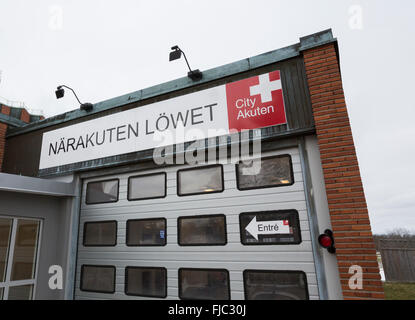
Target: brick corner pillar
25,116
346,199
3,130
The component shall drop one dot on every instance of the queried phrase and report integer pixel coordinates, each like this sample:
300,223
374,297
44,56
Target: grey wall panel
334,289
53,246
234,256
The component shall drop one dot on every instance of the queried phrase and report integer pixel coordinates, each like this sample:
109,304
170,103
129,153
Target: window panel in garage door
146,232
201,180
202,230
206,284
100,233
149,186
98,278
275,285
102,191
146,281
273,172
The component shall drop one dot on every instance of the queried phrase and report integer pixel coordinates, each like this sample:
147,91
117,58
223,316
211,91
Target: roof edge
23,184
316,39
306,42
7,119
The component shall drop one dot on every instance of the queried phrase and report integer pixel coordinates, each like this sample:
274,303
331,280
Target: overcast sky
105,49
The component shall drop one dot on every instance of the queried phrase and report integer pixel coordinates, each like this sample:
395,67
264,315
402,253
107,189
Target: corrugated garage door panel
233,256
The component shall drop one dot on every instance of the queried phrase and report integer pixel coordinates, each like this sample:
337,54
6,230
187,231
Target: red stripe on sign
256,102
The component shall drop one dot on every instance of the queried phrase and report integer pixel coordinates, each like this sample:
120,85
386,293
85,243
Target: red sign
256,102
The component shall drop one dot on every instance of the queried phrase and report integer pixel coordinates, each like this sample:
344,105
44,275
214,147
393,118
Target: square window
98,278
102,191
25,249
146,232
149,186
100,234
202,230
19,249
274,171
270,227
5,234
146,282
275,285
21,292
203,180
204,284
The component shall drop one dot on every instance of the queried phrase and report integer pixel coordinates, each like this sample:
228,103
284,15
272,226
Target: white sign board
250,103
256,228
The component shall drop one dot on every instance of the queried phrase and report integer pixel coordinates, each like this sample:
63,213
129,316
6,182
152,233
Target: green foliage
399,291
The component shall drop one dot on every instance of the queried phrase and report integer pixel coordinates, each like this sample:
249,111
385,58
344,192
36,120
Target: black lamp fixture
60,92
195,75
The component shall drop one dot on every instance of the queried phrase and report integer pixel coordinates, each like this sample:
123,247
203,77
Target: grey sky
105,49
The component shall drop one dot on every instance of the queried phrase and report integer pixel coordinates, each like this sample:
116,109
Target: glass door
19,243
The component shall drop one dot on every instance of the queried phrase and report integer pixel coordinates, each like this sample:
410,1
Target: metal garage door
211,233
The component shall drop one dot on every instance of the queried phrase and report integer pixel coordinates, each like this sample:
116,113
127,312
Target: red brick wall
3,129
346,198
5,110
25,116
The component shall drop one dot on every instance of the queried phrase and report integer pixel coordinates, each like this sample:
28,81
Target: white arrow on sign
267,227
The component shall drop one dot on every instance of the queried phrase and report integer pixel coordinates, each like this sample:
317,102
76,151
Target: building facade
164,194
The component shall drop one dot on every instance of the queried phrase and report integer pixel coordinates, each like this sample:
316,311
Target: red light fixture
326,240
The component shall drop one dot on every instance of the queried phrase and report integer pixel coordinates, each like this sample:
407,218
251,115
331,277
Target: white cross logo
265,87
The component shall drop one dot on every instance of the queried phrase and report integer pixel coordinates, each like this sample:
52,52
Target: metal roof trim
22,184
307,42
